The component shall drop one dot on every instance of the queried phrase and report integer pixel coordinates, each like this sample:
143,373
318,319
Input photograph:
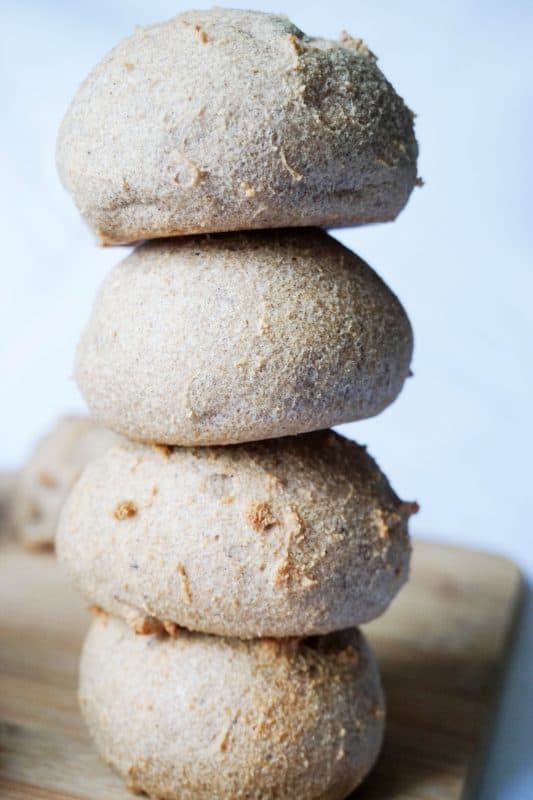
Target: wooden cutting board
441,648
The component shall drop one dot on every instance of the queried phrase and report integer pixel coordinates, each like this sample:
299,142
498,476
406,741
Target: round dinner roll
41,486
286,537
239,337
202,717
224,119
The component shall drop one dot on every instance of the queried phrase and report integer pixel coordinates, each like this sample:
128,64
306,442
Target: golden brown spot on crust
284,569
259,516
46,478
224,739
226,733
227,499
381,524
185,587
125,185
202,35
145,626
288,568
358,45
128,66
154,491
274,648
98,612
135,773
125,509
171,628
163,449
295,42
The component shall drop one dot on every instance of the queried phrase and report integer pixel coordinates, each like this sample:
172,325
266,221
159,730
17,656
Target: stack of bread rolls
231,544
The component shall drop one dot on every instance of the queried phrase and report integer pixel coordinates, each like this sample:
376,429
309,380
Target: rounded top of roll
224,119
240,337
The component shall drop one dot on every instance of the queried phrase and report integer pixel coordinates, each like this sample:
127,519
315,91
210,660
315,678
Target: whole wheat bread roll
240,337
202,717
223,119
288,537
43,483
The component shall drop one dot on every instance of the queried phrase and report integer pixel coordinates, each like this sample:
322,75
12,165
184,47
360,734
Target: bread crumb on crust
259,516
295,42
358,45
202,35
145,626
409,507
125,509
185,587
163,449
98,612
171,628
226,733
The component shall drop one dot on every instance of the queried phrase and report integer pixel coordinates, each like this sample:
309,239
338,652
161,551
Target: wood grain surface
441,648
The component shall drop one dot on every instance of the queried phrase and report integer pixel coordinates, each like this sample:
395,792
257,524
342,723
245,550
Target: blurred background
459,438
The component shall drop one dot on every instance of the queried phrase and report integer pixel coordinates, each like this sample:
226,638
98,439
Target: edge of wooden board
475,772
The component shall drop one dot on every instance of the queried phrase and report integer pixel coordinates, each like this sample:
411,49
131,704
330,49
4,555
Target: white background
459,438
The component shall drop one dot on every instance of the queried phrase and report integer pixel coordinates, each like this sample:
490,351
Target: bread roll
202,717
43,483
224,119
241,337
287,537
